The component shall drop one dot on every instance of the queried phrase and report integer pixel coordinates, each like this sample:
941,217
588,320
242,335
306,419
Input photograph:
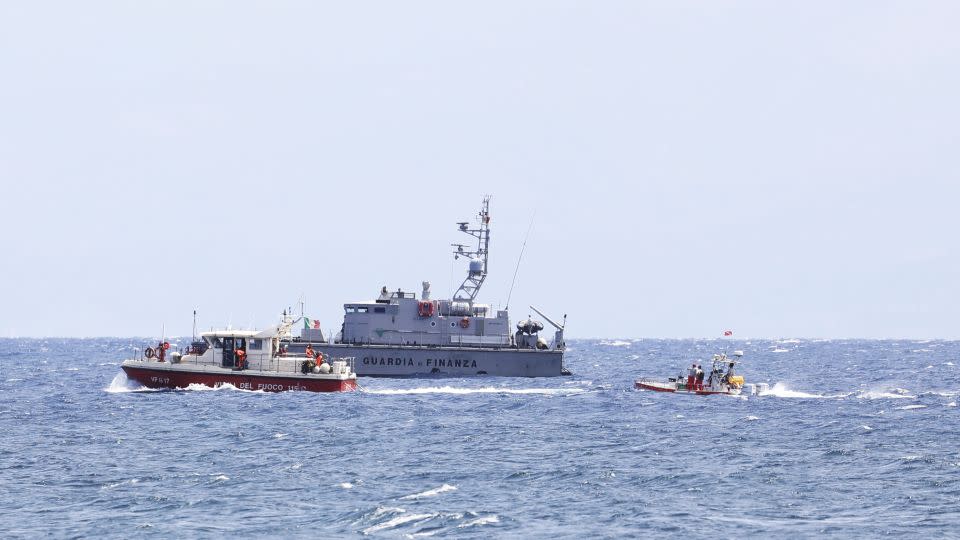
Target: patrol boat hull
415,361
170,375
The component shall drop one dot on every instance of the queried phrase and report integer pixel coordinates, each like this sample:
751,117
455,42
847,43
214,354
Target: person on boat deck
729,374
384,295
691,376
699,377
241,358
309,352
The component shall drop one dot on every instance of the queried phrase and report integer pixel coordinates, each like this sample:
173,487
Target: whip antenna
520,258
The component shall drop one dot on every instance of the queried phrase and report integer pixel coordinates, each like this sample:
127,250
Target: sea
854,438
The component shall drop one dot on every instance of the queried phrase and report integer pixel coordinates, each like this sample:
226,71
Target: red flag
728,332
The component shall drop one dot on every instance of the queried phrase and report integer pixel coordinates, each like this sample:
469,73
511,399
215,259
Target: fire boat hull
168,376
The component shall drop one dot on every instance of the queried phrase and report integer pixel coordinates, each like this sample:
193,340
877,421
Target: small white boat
721,380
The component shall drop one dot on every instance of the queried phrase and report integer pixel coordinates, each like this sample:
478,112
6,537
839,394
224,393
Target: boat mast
478,258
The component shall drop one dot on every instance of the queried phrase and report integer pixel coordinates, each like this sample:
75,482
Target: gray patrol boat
400,335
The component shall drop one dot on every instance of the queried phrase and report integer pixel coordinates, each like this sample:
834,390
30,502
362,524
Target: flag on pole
727,333
311,323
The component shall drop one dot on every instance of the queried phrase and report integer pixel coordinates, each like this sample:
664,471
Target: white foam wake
430,492
896,393
483,390
780,390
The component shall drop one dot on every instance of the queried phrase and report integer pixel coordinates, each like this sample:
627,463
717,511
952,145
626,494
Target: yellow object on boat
737,380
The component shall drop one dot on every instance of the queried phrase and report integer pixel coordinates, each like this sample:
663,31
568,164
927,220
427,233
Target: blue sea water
855,439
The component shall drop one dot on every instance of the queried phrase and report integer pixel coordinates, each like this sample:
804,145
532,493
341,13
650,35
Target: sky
778,169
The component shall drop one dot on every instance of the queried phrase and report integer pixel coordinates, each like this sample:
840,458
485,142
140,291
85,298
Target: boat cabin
400,318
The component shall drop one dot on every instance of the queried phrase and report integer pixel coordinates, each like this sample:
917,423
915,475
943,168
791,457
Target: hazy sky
779,169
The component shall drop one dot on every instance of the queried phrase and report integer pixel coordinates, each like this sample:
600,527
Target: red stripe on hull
654,388
243,380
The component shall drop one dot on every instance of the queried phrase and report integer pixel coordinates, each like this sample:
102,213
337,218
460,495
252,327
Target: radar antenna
477,272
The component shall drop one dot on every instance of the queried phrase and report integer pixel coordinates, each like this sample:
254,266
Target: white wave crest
910,407
480,521
952,404
122,385
346,485
617,343
430,492
896,393
484,390
396,522
779,350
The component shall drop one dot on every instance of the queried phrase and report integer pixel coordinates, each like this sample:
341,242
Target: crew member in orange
319,358
241,358
309,352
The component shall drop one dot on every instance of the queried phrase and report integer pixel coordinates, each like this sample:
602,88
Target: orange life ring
464,323
148,352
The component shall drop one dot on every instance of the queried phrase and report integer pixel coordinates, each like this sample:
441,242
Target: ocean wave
910,407
896,393
617,343
397,521
483,390
430,492
480,521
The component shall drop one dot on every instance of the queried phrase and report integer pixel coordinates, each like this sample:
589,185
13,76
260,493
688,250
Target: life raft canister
465,323
425,308
148,352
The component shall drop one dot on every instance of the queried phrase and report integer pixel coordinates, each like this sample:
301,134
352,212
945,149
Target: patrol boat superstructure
399,335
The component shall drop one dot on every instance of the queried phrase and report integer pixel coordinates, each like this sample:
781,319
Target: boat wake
483,390
780,390
896,393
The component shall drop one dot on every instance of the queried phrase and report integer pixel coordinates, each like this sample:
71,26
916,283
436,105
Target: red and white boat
718,382
246,359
